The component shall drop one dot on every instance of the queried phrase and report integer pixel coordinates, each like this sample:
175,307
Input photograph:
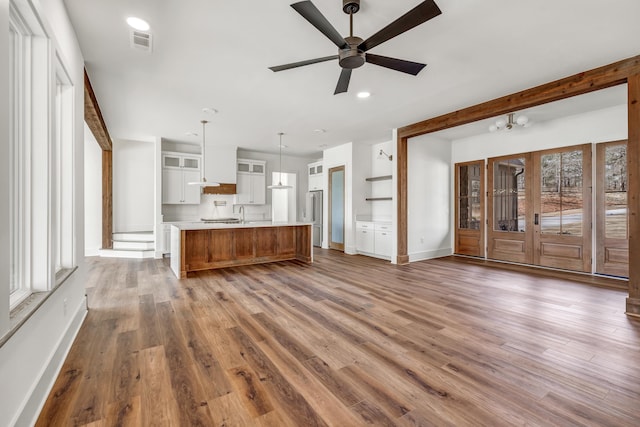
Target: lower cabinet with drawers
374,239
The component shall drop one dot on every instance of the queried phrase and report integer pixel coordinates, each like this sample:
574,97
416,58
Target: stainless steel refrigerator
314,214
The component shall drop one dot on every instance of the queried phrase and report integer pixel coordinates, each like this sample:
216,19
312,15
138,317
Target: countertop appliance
314,214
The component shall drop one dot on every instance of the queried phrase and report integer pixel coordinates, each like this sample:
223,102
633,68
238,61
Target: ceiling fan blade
416,16
302,63
343,81
408,67
317,19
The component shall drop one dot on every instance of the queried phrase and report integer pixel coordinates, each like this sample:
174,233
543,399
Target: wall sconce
388,156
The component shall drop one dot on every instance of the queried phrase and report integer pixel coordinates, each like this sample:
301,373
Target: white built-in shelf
379,178
374,179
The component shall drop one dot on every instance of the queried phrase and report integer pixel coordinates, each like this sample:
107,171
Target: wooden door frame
336,246
460,231
621,72
527,237
587,203
602,242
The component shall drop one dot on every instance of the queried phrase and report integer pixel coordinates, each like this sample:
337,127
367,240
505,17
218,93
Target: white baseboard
91,251
350,250
37,398
435,253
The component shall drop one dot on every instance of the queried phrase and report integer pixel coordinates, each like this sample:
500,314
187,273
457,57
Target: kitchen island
197,246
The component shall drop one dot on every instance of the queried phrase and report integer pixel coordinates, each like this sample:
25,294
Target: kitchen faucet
241,212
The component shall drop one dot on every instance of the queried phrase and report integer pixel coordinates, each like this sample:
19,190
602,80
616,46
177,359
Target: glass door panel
561,193
509,201
612,233
509,210
562,208
470,208
336,208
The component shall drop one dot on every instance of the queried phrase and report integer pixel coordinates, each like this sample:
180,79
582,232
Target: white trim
36,398
435,253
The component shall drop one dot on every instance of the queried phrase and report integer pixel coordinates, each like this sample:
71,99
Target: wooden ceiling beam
578,84
93,116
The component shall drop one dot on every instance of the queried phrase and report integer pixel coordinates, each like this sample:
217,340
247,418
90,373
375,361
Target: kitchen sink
220,220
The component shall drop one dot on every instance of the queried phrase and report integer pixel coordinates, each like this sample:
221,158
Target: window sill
23,311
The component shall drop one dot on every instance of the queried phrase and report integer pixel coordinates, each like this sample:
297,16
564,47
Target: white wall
133,185
429,198
609,124
361,188
92,194
381,166
206,209
30,359
597,126
290,164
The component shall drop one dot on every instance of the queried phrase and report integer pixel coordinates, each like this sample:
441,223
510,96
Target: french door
469,182
539,208
562,208
509,236
612,231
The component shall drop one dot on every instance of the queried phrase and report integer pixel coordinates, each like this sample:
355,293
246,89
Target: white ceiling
216,53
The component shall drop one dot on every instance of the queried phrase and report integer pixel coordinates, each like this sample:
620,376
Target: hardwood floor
347,341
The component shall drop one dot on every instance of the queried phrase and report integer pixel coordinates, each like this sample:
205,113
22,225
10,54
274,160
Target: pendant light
280,185
204,182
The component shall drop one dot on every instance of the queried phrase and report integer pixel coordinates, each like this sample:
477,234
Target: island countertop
203,225
199,245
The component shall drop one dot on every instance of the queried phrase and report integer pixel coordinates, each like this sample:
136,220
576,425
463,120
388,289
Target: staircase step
126,253
134,244
133,236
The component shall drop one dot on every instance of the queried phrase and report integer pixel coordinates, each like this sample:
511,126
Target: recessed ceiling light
191,134
363,95
319,130
282,146
209,110
138,24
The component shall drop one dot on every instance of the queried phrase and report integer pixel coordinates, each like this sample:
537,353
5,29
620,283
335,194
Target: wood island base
207,249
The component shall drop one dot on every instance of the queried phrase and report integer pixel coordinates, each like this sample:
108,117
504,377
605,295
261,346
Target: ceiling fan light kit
352,50
510,123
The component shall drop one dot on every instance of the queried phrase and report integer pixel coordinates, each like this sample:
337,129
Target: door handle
536,219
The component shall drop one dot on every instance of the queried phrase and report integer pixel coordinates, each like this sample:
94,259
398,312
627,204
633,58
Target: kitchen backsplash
208,208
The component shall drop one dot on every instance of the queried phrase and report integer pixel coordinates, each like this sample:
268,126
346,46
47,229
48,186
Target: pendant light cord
204,144
280,176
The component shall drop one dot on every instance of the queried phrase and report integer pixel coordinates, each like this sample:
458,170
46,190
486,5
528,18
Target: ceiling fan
352,51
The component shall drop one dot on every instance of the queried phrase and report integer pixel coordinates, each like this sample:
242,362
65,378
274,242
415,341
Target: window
63,161
42,158
19,75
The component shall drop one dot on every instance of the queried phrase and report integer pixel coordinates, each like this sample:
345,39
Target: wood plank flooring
347,341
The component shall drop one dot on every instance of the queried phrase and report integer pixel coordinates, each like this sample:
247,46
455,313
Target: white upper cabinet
180,161
315,176
220,164
178,170
252,183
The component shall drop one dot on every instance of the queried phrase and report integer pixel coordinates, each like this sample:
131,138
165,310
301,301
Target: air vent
141,40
